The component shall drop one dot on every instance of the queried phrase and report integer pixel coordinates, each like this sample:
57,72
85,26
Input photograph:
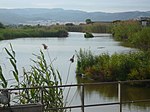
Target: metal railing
120,102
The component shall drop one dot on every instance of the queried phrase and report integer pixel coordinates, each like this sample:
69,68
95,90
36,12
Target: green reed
41,74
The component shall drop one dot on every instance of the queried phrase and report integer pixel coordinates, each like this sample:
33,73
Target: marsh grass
11,33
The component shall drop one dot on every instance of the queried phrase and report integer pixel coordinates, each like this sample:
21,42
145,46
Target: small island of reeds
31,31
88,35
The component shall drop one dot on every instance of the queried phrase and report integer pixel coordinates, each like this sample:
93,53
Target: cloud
86,5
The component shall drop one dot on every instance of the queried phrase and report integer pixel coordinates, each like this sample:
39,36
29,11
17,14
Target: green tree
88,21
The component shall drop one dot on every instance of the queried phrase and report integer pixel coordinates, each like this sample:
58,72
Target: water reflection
136,93
109,93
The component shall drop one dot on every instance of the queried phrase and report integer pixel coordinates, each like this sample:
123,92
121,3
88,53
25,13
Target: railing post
120,95
82,97
42,94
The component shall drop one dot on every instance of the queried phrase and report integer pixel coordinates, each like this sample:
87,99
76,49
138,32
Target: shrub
141,39
124,29
116,67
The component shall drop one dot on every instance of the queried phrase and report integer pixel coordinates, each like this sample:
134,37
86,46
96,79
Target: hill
16,16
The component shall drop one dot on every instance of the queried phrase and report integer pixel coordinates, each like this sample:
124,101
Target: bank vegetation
30,31
125,66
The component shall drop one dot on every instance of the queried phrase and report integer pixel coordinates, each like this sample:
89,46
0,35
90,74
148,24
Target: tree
88,21
1,25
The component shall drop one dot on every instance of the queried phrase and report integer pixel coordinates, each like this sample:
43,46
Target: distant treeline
9,32
92,28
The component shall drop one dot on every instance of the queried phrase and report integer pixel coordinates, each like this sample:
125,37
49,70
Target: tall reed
41,74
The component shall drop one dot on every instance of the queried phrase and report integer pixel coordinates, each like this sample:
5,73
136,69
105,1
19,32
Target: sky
84,5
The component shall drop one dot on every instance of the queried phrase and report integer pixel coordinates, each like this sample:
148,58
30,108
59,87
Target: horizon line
77,10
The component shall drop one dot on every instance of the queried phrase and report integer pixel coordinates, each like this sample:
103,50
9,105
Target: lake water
61,50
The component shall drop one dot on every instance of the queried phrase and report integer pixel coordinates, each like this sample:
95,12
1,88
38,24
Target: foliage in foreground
41,74
117,67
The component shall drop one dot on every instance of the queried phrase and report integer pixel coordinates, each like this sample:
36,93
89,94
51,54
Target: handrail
73,85
82,85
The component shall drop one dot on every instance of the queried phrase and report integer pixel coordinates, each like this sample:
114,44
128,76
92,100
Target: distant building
145,21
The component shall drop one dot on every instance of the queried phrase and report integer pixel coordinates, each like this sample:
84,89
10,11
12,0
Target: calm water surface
61,50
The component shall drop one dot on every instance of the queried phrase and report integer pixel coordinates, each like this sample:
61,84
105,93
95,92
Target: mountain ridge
16,16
